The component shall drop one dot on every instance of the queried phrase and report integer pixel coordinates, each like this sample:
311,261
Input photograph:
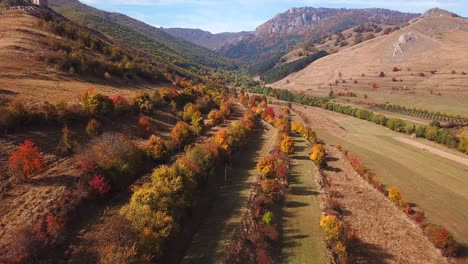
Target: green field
437,185
301,237
216,231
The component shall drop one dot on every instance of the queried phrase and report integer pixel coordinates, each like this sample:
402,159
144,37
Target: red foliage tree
269,113
419,217
144,125
27,160
99,184
374,85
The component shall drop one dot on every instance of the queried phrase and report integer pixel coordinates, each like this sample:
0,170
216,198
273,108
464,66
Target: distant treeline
284,70
433,131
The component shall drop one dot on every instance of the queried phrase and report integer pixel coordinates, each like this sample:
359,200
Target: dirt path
432,150
216,230
386,234
301,237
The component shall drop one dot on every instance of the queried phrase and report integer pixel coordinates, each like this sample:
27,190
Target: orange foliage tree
156,148
266,166
181,133
27,160
318,155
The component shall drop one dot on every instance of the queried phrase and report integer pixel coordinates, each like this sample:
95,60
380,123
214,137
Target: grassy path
216,231
301,237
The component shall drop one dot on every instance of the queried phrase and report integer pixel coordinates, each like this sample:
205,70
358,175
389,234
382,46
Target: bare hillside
25,44
418,66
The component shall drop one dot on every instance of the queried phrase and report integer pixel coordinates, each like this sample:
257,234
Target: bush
121,105
443,240
96,104
266,167
117,156
94,128
318,155
216,117
143,103
287,145
144,125
99,184
156,148
395,196
27,160
182,134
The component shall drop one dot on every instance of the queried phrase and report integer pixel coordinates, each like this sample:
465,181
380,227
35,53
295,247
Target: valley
322,135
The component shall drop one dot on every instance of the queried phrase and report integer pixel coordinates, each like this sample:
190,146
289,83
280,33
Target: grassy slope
301,236
215,232
437,185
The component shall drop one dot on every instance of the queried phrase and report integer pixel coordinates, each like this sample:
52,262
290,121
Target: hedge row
439,236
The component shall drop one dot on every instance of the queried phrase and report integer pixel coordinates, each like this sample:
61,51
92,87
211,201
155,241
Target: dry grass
434,49
384,232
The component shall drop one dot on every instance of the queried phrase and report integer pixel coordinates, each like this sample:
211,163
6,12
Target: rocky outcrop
402,41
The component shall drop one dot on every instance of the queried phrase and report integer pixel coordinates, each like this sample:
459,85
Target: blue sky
238,15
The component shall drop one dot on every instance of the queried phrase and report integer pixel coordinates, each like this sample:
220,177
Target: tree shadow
55,180
293,204
330,168
302,191
362,252
302,157
329,159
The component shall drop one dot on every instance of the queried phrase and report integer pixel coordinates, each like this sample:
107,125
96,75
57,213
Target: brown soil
385,233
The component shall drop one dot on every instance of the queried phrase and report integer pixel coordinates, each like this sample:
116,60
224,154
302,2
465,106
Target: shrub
66,140
121,105
443,240
273,189
419,217
181,134
27,160
143,102
333,228
117,156
156,148
395,196
395,69
96,104
318,155
422,74
94,128
287,145
216,117
266,167
267,218
99,184
463,145
144,125
374,85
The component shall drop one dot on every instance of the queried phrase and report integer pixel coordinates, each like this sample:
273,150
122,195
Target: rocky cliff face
290,28
300,20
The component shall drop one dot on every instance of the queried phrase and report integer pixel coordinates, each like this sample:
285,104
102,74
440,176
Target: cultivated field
435,184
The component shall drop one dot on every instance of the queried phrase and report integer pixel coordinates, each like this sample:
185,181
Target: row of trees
158,207
422,113
433,131
439,236
258,231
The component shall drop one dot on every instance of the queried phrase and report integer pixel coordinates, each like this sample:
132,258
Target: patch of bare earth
385,233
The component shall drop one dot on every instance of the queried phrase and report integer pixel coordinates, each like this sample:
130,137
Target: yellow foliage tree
287,145
333,227
318,155
297,127
395,196
223,139
266,166
156,148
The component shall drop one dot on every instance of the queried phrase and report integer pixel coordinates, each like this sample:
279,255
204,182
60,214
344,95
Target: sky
245,15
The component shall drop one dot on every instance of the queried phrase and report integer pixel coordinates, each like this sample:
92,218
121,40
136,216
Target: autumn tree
216,117
395,196
287,145
181,134
156,148
27,160
96,104
94,128
224,140
99,184
266,166
318,155
144,125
